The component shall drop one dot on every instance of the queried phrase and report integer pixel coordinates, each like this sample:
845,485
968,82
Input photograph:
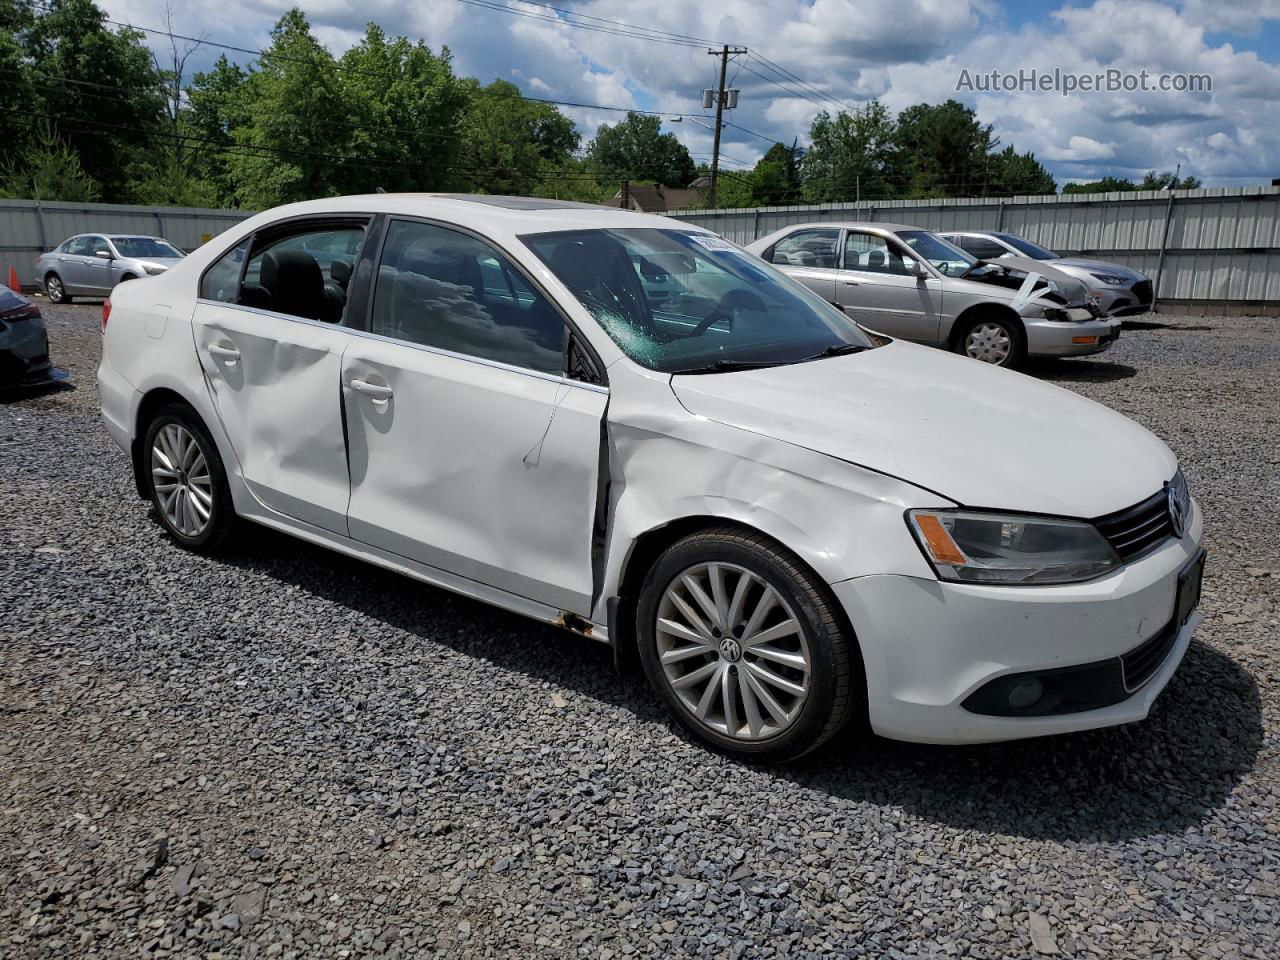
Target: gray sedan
1119,290
90,264
910,283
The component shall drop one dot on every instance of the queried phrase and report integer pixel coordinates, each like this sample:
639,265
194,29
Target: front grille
1138,529
1141,663
1142,291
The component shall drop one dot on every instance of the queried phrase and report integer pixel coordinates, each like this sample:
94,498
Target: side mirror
103,254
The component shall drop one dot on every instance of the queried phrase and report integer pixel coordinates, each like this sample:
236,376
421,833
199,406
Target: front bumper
1058,338
1125,301
929,645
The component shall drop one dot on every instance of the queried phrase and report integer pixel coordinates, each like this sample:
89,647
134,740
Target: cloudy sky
849,51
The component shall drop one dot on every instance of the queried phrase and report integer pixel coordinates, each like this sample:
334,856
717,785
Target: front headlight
153,268
1010,549
1108,278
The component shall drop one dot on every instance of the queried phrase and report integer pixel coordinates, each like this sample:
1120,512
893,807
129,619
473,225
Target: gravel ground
286,753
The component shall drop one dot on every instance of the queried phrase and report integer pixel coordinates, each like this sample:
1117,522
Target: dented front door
274,382
478,468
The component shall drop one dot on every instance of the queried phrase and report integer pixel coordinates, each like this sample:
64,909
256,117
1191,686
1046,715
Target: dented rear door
274,380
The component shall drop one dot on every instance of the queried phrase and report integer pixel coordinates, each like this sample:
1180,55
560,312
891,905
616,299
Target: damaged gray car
909,283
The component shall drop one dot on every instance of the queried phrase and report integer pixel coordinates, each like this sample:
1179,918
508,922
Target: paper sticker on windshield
712,242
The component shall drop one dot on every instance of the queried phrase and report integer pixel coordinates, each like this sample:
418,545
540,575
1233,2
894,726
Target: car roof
506,214
133,236
861,225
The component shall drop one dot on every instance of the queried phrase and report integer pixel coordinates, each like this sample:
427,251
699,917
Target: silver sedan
910,283
1118,289
90,264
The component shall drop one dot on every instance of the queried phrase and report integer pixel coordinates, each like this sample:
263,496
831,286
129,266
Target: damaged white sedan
629,427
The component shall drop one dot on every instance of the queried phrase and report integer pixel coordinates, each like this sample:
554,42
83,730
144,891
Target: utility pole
723,53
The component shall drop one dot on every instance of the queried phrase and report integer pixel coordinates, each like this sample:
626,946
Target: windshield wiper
839,350
728,366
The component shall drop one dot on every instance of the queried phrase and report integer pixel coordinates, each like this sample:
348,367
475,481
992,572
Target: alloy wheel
989,342
182,480
53,286
733,651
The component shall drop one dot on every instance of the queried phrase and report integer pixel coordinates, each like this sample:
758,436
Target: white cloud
848,51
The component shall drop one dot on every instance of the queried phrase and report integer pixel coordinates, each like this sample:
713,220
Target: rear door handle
850,283
230,354
375,390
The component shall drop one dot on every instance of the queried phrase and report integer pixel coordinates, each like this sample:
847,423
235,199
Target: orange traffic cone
14,285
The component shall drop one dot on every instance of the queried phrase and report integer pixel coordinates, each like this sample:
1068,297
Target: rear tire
993,339
788,688
186,481
54,289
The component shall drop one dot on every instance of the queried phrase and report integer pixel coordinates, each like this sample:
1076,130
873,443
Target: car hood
978,435
1100,266
1070,287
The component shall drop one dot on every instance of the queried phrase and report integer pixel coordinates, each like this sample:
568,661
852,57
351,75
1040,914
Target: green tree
637,149
575,179
290,146
404,119
17,86
1015,173
1167,181
1105,185
851,155
943,151
217,107
775,181
47,169
511,144
98,88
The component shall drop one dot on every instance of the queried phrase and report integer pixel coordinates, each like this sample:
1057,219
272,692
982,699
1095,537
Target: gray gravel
284,753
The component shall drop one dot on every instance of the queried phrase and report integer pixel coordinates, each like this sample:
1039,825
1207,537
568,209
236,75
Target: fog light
1026,693
1084,339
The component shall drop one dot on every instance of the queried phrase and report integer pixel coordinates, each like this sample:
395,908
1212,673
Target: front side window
146,248
872,253
94,245
676,301
442,288
947,258
807,248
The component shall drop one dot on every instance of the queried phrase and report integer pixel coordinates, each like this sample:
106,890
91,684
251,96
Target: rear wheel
54,289
745,645
186,480
993,339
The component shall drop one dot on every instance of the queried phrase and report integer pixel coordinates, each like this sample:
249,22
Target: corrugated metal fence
28,229
1208,249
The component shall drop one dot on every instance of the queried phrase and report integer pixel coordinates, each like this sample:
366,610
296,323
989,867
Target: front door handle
375,390
850,283
230,354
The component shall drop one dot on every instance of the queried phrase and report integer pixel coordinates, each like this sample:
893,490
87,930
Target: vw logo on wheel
1177,510
731,649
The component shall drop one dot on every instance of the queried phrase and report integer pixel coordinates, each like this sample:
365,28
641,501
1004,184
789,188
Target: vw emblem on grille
730,649
1177,509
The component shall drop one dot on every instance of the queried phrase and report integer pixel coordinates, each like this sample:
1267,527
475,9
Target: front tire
746,646
186,481
55,290
993,339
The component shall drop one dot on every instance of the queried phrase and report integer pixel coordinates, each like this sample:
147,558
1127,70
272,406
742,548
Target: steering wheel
733,300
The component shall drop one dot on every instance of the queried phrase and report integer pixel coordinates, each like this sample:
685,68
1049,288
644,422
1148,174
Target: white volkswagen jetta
628,426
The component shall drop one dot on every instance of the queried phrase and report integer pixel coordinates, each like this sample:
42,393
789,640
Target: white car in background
789,523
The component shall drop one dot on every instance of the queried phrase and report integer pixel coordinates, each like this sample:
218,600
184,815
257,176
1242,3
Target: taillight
106,313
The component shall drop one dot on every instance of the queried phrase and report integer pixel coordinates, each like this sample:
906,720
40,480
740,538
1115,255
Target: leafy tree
99,88
851,155
1167,181
47,169
575,180
1105,185
776,178
637,149
289,146
510,143
17,87
943,151
404,116
1015,173
217,107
